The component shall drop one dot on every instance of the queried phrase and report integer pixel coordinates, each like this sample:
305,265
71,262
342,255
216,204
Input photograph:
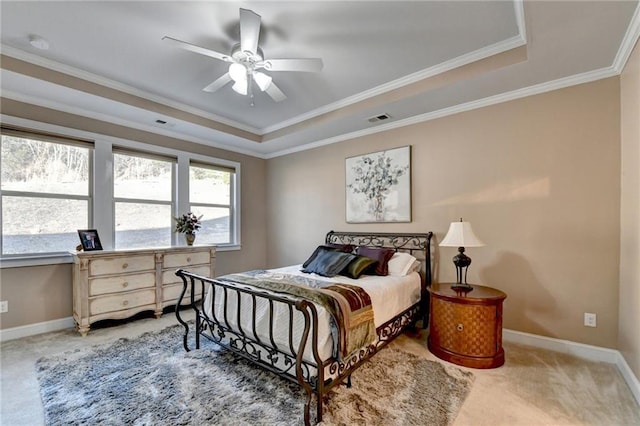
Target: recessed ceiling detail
413,60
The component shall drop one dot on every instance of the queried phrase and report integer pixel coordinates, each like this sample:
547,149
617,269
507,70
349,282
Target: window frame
46,137
101,208
117,150
232,202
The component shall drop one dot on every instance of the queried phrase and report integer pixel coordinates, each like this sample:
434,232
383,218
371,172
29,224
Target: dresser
119,284
466,327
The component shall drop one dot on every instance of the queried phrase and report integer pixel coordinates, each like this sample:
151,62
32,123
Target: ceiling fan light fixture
247,58
238,73
262,80
240,87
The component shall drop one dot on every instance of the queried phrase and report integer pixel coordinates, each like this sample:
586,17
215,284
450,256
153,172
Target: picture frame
378,186
89,239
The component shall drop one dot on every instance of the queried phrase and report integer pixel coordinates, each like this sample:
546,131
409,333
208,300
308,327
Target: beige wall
628,334
539,179
43,293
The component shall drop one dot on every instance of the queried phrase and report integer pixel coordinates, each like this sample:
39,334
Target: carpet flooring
150,380
534,387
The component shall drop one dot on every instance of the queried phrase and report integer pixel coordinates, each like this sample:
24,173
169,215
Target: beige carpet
534,387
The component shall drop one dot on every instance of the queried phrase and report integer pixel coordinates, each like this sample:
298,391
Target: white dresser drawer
119,265
122,301
170,277
120,283
117,284
181,260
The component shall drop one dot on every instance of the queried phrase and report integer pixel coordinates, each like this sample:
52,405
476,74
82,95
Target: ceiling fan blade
275,93
249,31
218,84
304,65
197,49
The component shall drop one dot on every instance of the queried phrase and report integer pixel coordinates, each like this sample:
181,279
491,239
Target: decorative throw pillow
347,248
402,264
329,263
316,252
358,266
382,255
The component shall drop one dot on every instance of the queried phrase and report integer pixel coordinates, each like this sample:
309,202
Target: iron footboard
293,361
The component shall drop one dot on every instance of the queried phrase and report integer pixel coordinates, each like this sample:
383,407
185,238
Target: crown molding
518,7
502,46
481,103
441,68
103,81
628,42
125,123
491,100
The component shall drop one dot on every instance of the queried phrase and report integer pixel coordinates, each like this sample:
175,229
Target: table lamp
461,235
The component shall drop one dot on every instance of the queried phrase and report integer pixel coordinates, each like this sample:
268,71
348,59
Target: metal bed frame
288,362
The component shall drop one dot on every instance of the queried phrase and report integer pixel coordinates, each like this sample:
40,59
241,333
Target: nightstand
466,327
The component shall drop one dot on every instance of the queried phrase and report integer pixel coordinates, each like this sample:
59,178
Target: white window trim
103,206
233,203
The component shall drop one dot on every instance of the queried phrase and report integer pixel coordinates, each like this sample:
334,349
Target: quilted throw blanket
349,305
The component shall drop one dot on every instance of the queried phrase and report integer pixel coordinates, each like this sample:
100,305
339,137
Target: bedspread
349,305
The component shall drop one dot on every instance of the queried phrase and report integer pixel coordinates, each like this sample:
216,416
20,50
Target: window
143,200
51,186
45,192
211,190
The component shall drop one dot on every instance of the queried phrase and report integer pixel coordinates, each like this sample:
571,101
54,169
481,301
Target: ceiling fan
247,60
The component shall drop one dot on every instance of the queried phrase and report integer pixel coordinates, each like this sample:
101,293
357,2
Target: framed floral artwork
378,186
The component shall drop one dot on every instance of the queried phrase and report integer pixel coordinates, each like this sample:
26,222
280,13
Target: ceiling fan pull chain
250,88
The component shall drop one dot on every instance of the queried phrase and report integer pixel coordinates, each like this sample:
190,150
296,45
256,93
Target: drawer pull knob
125,284
460,327
125,265
125,303
188,259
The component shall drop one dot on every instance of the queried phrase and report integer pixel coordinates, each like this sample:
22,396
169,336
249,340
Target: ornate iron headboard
419,245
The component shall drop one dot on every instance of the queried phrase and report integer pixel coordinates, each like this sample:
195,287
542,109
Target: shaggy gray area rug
151,380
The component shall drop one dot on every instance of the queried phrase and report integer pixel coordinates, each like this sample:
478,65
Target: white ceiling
413,60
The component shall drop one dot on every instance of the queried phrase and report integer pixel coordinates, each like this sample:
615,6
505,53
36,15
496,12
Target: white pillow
402,264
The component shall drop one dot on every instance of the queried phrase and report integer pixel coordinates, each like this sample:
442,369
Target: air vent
378,117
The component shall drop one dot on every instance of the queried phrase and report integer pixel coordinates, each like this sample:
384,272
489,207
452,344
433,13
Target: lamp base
462,288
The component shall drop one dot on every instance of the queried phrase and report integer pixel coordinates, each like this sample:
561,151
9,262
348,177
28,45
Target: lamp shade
460,234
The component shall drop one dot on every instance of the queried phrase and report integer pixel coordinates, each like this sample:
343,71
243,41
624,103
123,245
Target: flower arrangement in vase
188,224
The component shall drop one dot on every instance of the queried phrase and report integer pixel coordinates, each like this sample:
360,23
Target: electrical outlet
4,306
589,320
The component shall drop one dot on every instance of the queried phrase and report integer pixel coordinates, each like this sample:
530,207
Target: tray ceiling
412,60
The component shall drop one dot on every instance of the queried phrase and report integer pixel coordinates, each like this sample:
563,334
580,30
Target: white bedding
390,296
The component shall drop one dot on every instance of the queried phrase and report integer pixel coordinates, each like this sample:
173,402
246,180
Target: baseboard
592,353
37,328
629,377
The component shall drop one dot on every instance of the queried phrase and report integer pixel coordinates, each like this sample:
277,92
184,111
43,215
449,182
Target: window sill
35,260
58,258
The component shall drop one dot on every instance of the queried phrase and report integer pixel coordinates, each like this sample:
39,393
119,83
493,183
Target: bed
315,329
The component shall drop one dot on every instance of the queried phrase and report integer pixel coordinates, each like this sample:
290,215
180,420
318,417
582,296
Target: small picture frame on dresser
89,239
